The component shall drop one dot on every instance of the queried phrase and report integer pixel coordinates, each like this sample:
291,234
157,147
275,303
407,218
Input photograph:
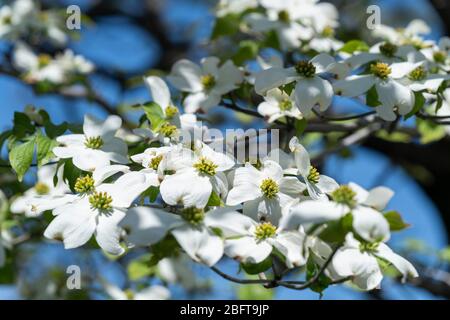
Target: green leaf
372,98
300,126
21,157
140,268
336,230
254,292
167,247
444,254
44,146
255,268
226,26
4,136
430,131
52,130
419,103
154,114
354,45
152,193
214,200
22,125
71,174
395,220
248,50
322,281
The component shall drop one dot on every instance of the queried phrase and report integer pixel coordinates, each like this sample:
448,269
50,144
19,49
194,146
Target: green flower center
440,56
206,166
418,74
84,184
381,70
313,175
265,230
305,69
368,247
193,215
154,163
168,130
208,81
94,143
100,200
41,188
129,294
344,195
44,60
328,32
285,105
7,20
269,188
388,49
283,16
171,111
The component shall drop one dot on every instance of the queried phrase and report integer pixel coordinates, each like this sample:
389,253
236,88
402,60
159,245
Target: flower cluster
173,192
25,19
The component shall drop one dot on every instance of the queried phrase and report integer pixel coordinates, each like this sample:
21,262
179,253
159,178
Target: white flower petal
379,197
147,226
273,78
247,250
185,76
106,130
370,224
400,263
89,159
354,86
108,232
393,94
311,92
159,90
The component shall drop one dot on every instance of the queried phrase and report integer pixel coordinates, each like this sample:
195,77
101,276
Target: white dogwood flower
58,70
310,88
98,213
360,261
367,221
193,230
278,104
97,147
411,34
16,18
264,192
318,185
196,174
155,292
392,94
206,84
44,187
252,242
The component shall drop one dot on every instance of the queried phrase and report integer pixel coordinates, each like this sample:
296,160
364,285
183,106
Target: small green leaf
255,268
214,200
430,131
354,45
300,126
154,114
322,281
444,254
44,146
372,98
71,174
248,50
140,268
254,292
22,125
152,193
225,26
21,157
419,103
395,220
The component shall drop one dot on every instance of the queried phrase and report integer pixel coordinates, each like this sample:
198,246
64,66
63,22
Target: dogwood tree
170,187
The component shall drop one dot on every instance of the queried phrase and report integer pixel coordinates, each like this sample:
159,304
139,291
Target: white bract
263,191
155,292
193,230
96,147
361,262
394,97
206,84
98,213
367,221
44,187
310,89
196,174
